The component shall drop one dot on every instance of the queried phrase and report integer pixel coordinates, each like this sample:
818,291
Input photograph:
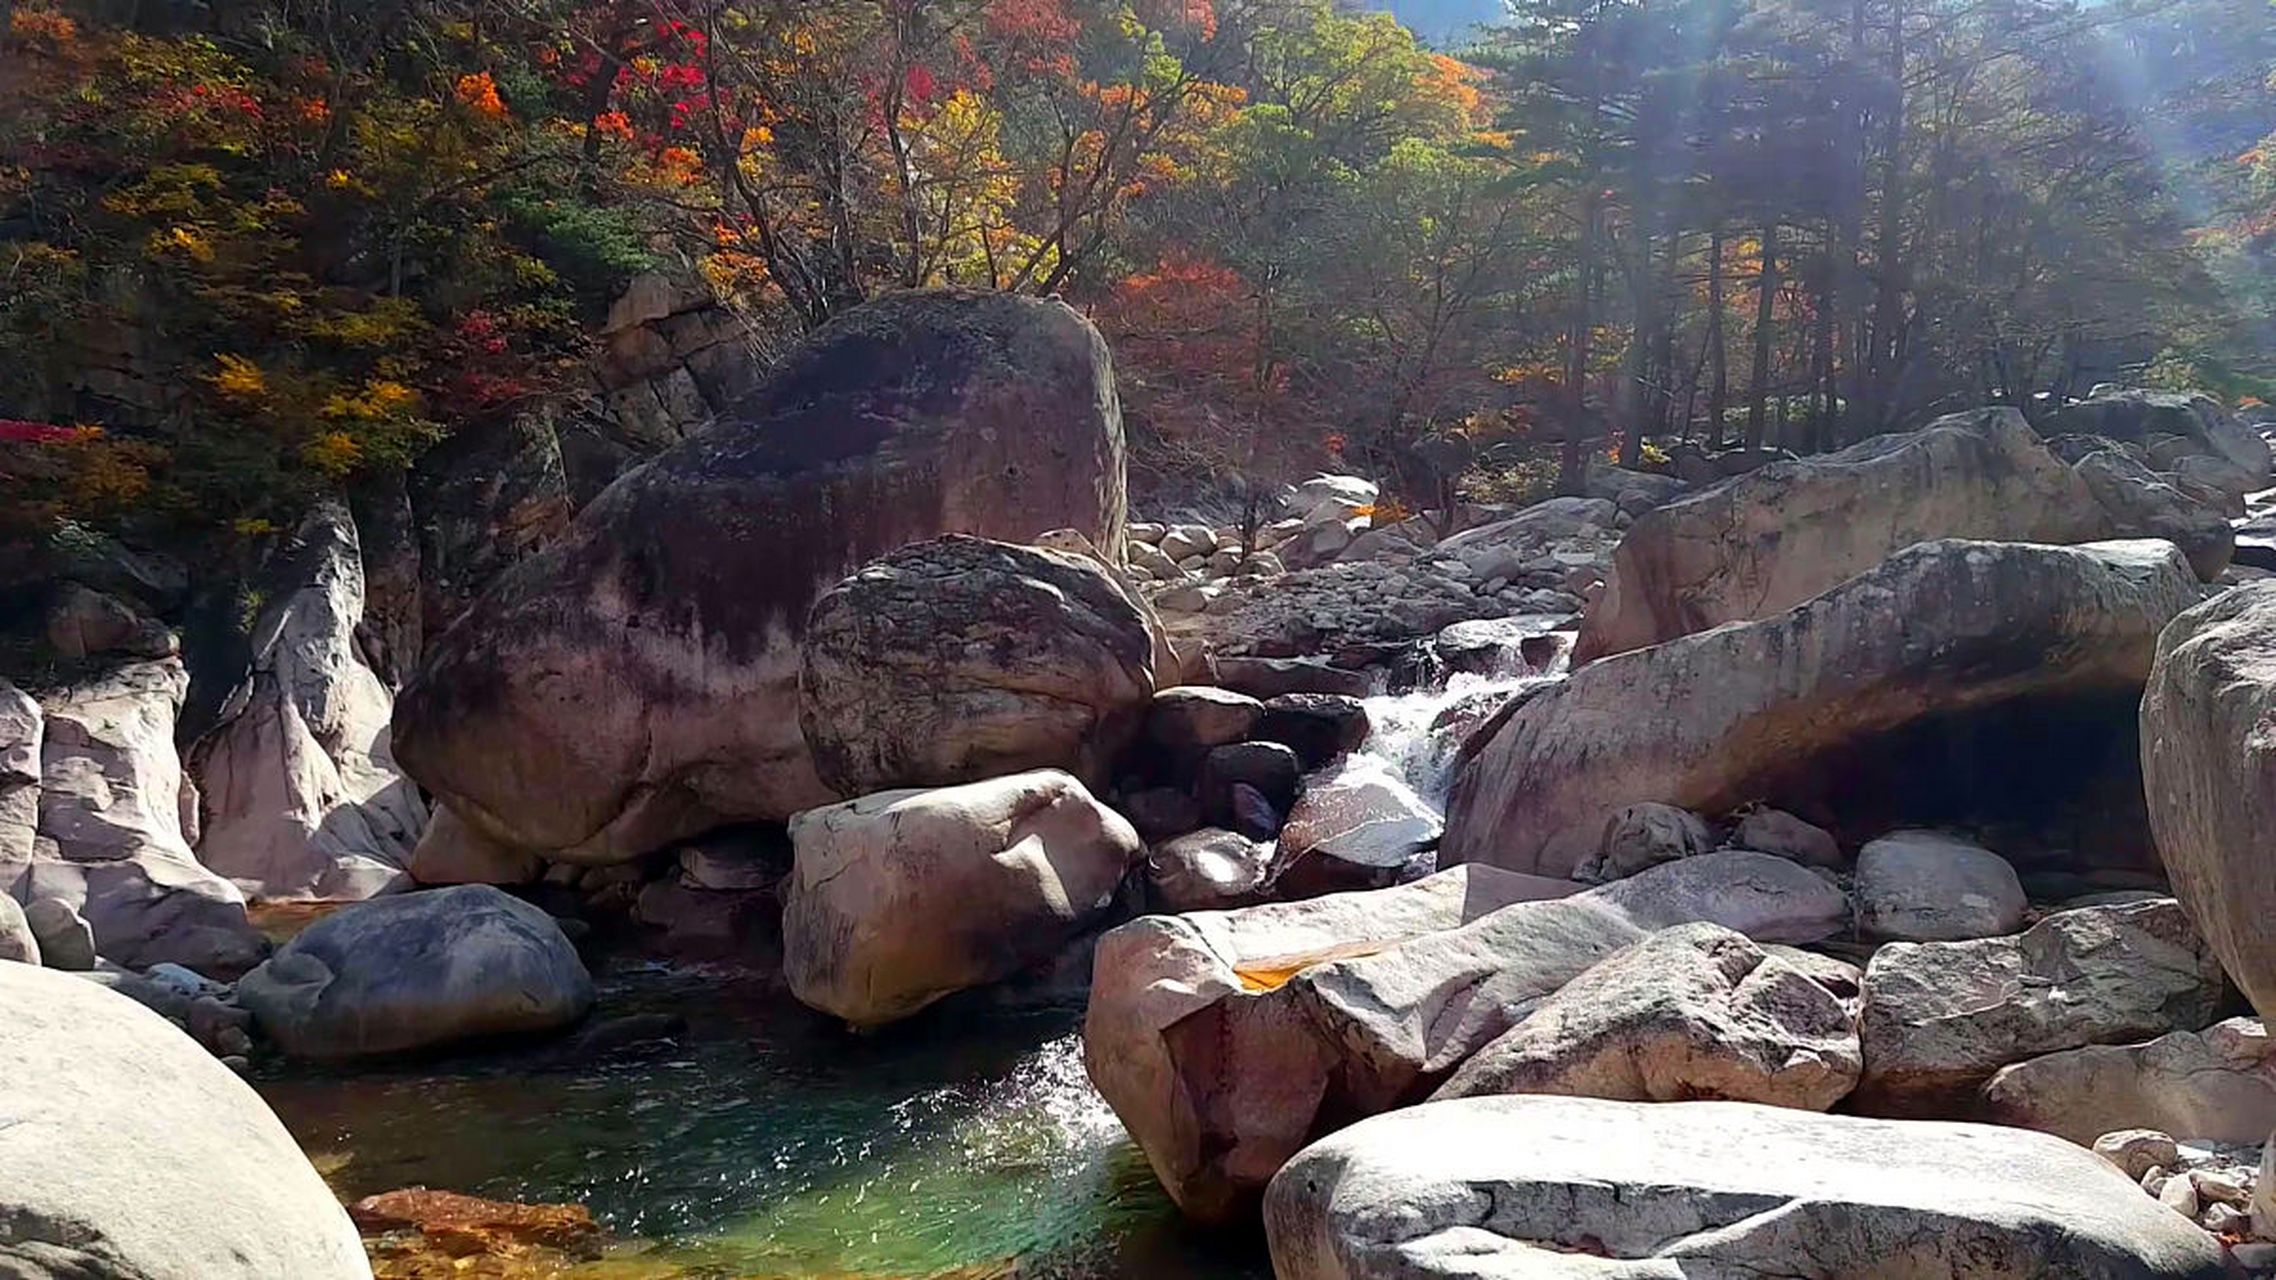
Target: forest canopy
260,250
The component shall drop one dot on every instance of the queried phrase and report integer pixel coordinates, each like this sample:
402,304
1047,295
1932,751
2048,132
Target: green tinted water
766,1142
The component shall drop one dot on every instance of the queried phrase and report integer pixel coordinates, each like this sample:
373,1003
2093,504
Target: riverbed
766,1142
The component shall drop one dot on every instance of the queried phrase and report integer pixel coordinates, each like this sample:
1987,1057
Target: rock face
960,659
1928,886
110,838
900,898
1553,1187
2203,428
126,1150
1757,545
418,969
922,413
2209,769
301,795
1940,1018
1227,1040
1777,710
1692,1012
2144,503
1355,826
2215,1085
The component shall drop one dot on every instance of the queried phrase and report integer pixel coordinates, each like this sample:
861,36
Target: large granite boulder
127,1150
301,795
414,970
1790,709
960,659
2215,1085
1515,1187
114,820
2209,770
1227,1040
1932,886
2148,505
1692,1012
1940,1018
2204,428
1355,825
900,898
1759,544
636,681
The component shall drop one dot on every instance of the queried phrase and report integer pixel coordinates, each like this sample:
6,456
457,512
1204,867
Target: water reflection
765,1142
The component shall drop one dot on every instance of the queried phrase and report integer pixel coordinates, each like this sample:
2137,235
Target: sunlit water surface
766,1142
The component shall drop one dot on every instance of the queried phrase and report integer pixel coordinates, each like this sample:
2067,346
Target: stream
765,1143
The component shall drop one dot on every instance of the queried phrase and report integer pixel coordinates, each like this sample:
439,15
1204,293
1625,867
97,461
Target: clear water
767,1142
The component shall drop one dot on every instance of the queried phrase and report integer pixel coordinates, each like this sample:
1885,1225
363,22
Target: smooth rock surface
1940,1018
17,940
1931,886
1742,713
897,899
1208,870
1227,1040
1757,545
415,970
1692,1012
1355,825
960,659
1201,716
301,796
112,841
1535,1188
126,1151
2216,1085
2209,770
636,681
1767,830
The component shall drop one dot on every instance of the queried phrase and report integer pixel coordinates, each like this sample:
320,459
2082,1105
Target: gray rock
1644,835
900,898
1929,886
1208,870
920,413
1201,716
1355,825
2208,764
1512,1187
2145,505
111,839
1756,546
415,970
961,659
1271,1038
2216,1085
1986,624
1776,831
1941,1017
18,941
131,1152
66,940
2137,1151
83,623
1318,727
301,795
1272,769
1692,1012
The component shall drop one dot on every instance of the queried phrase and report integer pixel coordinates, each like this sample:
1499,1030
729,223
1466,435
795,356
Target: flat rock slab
1940,1017
1514,1188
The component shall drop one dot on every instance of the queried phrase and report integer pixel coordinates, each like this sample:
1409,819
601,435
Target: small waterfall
1416,734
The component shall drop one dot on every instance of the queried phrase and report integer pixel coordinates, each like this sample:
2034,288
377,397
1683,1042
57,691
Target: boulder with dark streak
636,681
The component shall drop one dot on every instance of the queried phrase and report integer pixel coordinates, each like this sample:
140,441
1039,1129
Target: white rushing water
1416,734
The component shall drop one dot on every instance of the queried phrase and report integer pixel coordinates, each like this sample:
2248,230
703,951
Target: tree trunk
1766,289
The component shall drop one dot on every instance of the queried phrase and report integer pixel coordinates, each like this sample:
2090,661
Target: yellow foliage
240,379
335,453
